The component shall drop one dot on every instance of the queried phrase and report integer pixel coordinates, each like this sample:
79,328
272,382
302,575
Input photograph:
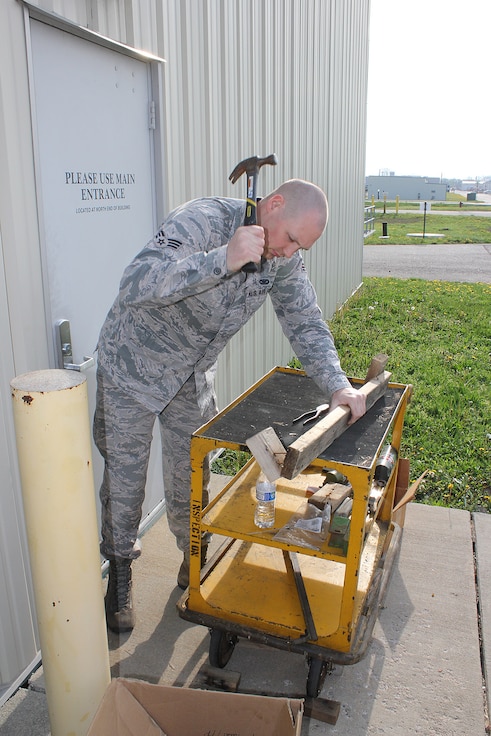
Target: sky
429,88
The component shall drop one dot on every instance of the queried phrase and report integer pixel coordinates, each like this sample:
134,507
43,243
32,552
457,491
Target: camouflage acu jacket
178,307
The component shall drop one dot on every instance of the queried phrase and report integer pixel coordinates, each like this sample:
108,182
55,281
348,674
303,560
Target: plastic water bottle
265,501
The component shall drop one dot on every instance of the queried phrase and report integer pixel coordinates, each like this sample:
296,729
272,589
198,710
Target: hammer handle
250,267
250,216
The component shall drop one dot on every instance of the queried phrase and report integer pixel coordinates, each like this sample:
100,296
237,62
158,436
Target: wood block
223,679
335,493
269,452
322,709
376,366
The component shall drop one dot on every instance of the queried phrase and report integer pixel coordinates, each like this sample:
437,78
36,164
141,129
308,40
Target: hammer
251,167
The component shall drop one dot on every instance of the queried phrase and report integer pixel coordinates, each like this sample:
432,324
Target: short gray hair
303,197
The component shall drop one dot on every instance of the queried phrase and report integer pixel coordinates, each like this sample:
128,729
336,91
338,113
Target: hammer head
251,165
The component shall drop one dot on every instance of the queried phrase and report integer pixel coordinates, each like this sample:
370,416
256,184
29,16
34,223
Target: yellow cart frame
322,601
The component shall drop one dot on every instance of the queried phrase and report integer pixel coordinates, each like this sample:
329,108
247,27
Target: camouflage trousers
123,430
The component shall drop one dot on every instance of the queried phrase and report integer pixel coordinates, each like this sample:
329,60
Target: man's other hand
352,398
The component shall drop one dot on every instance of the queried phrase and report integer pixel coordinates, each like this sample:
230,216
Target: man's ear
276,201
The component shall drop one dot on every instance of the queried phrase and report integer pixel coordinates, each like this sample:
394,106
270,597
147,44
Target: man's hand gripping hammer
251,167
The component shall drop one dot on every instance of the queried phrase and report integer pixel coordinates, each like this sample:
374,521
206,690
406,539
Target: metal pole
54,451
424,221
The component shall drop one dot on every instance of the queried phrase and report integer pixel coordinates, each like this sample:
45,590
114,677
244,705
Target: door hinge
151,115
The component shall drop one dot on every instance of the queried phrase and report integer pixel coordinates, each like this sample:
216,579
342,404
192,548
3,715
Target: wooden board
313,442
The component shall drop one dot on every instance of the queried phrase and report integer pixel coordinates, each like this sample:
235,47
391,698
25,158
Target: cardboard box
404,494
137,708
402,485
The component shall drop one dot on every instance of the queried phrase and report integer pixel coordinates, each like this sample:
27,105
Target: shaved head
303,198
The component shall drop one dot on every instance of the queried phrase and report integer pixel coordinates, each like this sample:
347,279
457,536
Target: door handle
86,363
65,353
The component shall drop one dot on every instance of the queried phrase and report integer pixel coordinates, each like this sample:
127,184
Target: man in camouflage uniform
180,301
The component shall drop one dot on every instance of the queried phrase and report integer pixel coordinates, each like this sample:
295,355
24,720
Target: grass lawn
437,335
450,228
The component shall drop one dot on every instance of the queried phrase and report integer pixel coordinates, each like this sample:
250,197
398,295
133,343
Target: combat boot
120,616
183,574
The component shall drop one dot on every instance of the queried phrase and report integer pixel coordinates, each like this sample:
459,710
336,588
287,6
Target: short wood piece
335,493
322,709
376,366
222,679
269,452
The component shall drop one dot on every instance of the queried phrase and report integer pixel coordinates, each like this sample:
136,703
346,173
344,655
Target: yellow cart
322,602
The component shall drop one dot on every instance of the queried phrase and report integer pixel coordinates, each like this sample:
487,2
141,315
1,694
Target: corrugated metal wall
248,77
255,76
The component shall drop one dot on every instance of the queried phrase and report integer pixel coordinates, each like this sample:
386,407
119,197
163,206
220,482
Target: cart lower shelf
246,590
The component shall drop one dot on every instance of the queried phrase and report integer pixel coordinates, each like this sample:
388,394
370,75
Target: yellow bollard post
55,460
397,204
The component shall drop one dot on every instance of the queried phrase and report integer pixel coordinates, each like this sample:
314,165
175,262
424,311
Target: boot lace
122,583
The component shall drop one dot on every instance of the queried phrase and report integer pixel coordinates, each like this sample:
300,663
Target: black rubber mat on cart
284,396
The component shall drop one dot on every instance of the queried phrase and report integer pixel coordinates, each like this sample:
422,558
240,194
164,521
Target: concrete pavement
454,262
422,673
469,263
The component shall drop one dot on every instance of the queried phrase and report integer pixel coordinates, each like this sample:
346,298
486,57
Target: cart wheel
318,669
222,644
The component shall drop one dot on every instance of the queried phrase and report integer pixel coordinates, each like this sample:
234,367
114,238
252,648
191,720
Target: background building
406,187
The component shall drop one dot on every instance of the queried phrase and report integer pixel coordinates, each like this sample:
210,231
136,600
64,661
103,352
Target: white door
95,171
